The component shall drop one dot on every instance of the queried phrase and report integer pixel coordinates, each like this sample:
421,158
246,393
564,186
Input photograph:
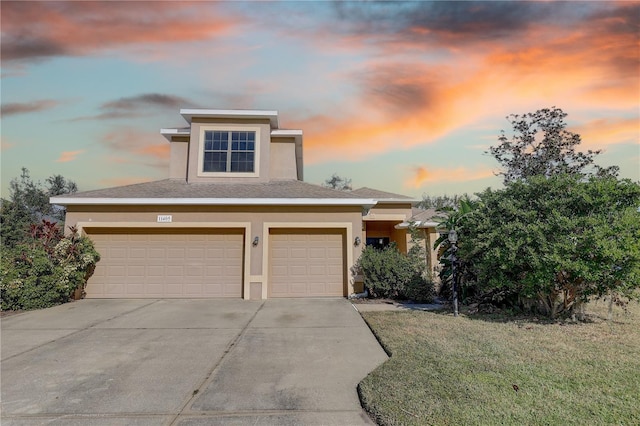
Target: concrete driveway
186,362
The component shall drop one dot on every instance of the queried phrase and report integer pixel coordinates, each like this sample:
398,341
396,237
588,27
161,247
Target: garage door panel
231,253
117,253
187,263
317,270
196,253
117,271
306,263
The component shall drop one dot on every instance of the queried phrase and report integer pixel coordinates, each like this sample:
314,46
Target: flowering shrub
46,270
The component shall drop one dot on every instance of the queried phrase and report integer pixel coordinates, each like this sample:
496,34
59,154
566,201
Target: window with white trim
229,151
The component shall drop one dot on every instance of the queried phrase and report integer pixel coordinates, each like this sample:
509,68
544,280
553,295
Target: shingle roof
420,215
199,192
377,194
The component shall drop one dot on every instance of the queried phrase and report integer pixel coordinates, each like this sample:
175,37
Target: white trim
168,133
411,201
286,132
246,283
189,113
229,128
266,226
371,217
419,224
65,201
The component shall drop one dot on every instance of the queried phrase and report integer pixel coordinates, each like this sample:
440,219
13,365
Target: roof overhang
413,202
67,201
245,114
169,133
418,224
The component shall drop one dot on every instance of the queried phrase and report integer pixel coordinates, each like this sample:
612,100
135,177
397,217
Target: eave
67,201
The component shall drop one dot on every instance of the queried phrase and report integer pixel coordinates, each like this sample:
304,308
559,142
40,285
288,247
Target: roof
189,113
420,215
422,219
172,191
383,196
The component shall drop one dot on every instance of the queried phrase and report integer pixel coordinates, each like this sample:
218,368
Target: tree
58,185
439,202
338,182
542,146
556,241
452,219
29,203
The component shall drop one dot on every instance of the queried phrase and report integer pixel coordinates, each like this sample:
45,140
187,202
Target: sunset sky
403,97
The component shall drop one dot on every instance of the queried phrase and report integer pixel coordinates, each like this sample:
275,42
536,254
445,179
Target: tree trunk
610,315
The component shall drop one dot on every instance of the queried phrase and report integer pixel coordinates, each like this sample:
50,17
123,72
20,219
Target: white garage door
306,263
168,263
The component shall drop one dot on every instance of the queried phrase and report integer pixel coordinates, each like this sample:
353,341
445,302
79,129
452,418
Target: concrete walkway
186,362
374,306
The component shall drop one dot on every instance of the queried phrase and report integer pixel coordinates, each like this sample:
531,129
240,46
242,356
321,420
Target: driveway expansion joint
207,379
78,330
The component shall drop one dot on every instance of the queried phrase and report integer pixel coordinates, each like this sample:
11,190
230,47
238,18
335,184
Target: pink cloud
37,30
5,145
68,156
603,132
421,175
135,146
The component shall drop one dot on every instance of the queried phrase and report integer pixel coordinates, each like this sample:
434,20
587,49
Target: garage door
306,263
168,263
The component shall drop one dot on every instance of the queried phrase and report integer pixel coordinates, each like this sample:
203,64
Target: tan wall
387,229
283,159
255,220
398,212
431,237
178,159
262,164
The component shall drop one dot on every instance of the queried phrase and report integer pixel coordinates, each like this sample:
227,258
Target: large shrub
46,270
391,274
556,241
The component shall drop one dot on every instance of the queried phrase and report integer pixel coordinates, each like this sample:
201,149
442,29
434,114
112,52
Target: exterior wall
262,149
382,219
383,211
283,159
432,255
178,159
379,229
255,220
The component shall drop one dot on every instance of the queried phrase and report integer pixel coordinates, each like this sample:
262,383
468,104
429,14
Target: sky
405,97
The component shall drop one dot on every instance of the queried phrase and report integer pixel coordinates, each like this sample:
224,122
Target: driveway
186,362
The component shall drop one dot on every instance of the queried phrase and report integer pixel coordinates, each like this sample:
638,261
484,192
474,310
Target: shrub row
46,270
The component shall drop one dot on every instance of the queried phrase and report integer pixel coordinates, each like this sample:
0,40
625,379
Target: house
234,219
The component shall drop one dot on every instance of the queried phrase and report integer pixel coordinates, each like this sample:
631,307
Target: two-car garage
210,262
167,263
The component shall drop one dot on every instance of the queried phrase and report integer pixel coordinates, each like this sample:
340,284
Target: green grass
461,371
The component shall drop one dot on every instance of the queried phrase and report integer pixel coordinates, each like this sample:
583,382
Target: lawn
481,369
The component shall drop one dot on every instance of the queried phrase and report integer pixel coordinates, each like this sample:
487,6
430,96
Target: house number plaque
164,218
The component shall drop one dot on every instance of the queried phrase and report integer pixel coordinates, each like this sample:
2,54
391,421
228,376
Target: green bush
391,274
45,271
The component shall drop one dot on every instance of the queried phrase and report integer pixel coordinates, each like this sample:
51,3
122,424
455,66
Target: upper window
229,151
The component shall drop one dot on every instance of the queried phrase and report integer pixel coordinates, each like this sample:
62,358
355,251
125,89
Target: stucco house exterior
234,219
